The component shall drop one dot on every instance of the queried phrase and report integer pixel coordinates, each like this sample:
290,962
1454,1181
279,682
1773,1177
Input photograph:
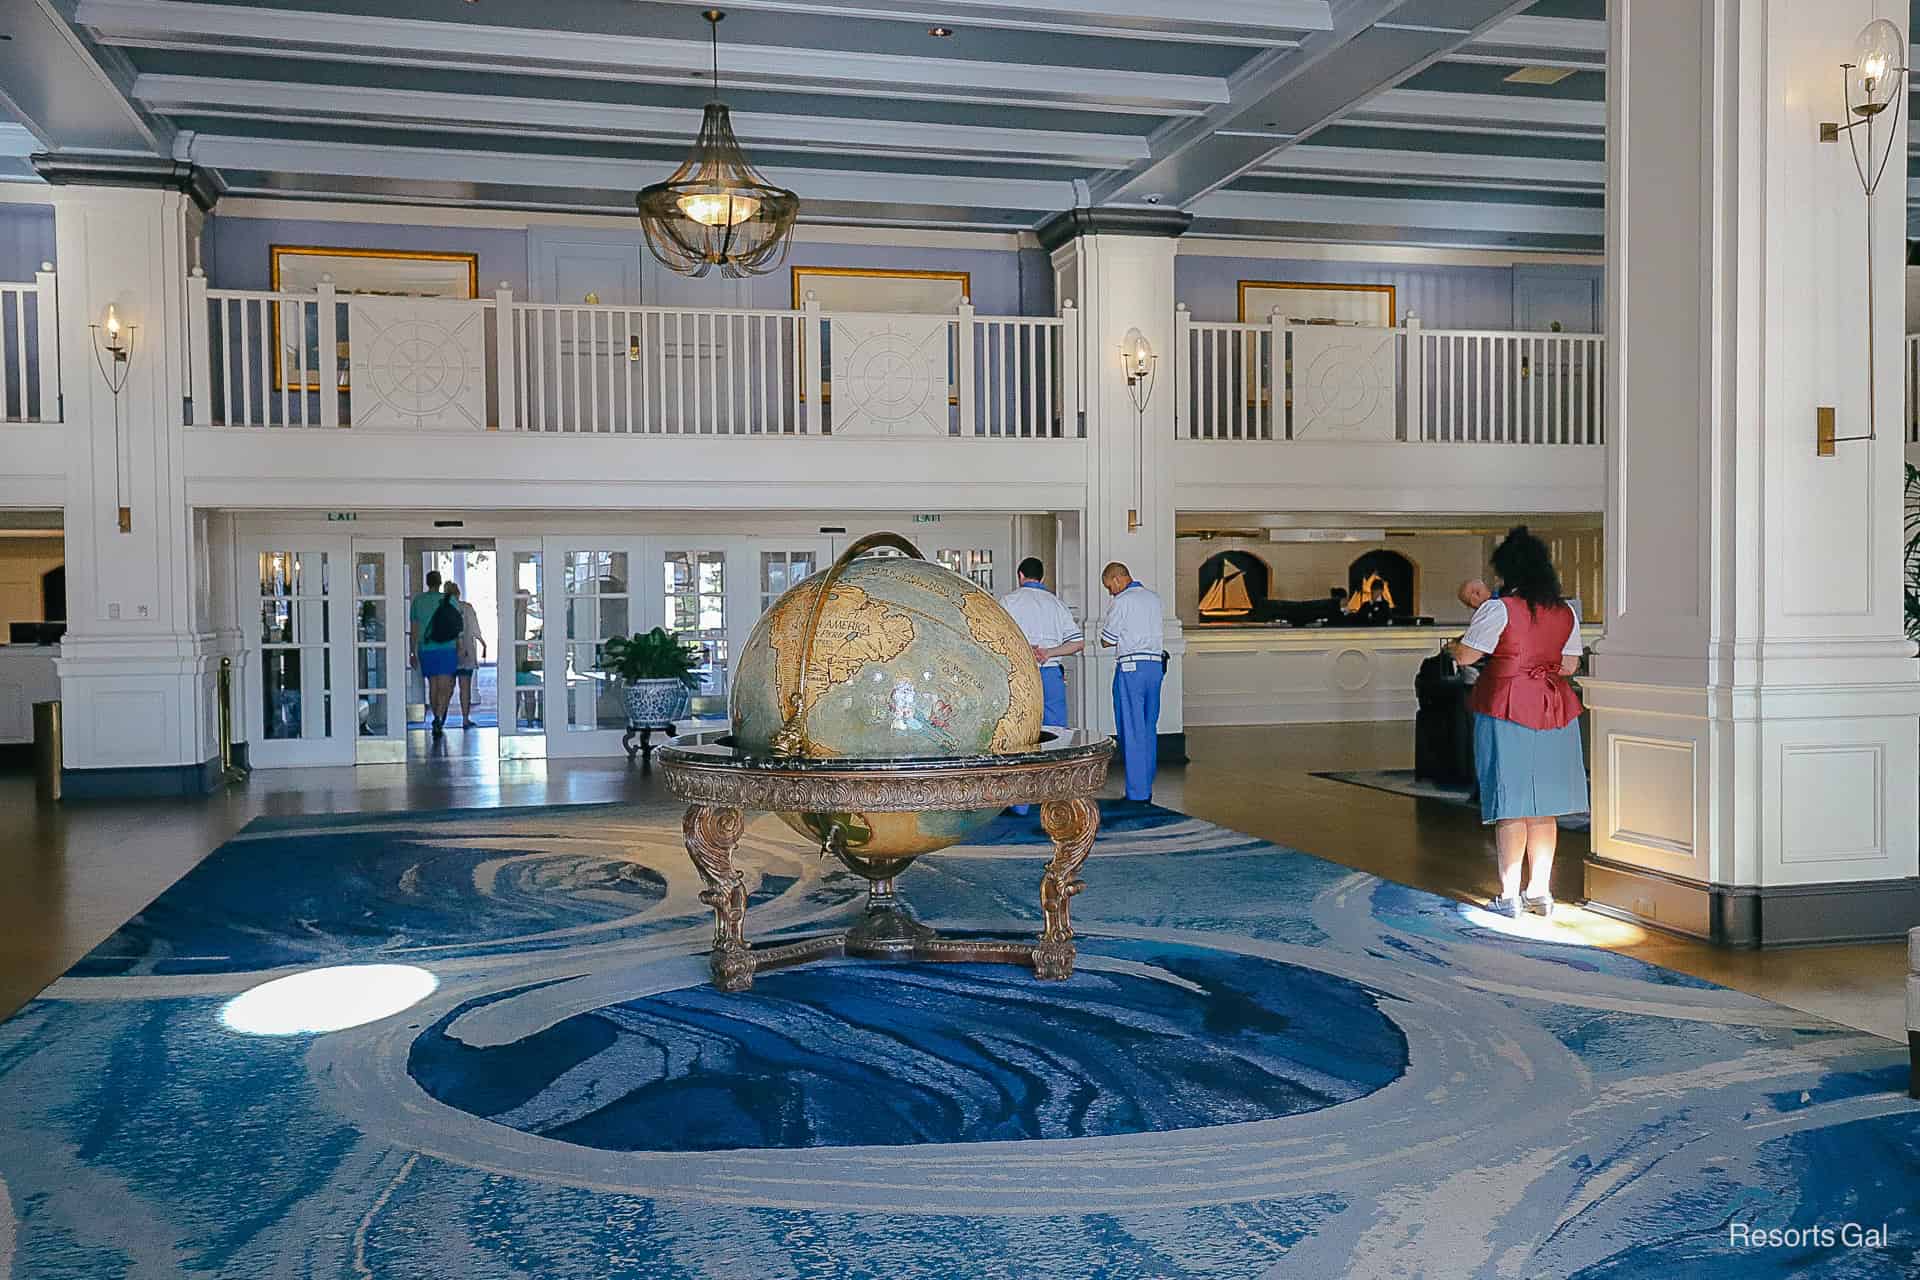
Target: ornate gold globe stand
1061,775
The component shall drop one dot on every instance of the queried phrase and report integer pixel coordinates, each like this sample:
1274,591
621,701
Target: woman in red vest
1526,732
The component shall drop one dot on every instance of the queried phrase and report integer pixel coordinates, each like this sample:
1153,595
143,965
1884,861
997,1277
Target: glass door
589,582
523,650
379,652
694,606
298,706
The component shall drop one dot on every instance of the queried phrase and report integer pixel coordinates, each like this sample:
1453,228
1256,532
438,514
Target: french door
378,635
707,590
299,690
522,660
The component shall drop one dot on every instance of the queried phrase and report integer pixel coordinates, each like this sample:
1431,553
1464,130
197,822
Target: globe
908,659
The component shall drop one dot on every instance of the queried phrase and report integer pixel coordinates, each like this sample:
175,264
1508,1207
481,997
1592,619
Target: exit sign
338,517
926,519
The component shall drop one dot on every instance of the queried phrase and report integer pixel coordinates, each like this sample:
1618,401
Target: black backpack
446,624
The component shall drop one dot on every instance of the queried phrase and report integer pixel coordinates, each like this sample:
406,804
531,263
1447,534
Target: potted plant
658,670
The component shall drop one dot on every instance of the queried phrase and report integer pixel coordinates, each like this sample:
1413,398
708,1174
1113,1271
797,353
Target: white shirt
1490,622
1135,625
1043,619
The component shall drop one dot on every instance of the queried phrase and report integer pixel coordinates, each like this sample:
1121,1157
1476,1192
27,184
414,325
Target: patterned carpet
1267,1066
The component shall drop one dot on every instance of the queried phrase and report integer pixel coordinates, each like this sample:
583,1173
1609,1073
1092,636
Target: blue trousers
1053,708
1053,696
1136,722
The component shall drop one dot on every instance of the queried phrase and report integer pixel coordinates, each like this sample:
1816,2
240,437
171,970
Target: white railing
1911,365
30,366
654,371
1278,381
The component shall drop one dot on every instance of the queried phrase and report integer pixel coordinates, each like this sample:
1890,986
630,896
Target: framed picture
1314,302
913,293
394,273
879,289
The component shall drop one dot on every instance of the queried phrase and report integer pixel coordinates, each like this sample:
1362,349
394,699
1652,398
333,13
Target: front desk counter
1265,674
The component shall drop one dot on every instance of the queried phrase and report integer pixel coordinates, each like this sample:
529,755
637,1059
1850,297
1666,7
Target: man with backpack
435,627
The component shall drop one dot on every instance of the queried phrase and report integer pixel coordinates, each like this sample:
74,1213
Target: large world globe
908,660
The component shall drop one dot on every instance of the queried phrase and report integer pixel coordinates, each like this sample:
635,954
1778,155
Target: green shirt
419,614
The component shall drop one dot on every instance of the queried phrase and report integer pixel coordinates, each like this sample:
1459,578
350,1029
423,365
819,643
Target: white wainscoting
1653,785
27,676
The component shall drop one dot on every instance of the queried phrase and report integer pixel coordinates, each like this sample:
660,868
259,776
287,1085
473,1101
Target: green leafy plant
652,655
1911,563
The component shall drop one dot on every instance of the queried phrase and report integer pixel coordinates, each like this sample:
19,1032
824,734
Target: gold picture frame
298,267
800,275
1386,290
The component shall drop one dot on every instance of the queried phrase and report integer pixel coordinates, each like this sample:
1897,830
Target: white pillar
1756,703
1117,268
139,661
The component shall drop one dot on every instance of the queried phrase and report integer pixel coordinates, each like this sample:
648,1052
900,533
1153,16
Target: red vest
1522,680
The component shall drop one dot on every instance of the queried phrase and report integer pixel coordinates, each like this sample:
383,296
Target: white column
1121,282
1756,703
139,661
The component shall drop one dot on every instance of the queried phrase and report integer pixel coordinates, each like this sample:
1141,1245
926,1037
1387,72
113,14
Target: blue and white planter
656,702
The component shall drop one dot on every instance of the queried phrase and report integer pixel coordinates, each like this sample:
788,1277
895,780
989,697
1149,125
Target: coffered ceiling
1373,120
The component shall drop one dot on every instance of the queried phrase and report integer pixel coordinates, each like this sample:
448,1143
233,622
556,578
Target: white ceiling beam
1480,112
1255,23
216,28
545,118
1472,216
1541,42
1382,164
594,173
1281,98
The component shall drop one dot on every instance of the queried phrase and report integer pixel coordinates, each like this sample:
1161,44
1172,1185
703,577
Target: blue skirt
1528,773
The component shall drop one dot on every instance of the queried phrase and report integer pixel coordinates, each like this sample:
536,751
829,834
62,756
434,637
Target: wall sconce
1138,363
1874,80
113,353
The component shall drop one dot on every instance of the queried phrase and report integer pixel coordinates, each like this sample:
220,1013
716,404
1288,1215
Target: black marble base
155,780
1745,916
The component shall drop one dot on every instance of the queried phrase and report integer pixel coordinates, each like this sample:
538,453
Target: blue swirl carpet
1266,1066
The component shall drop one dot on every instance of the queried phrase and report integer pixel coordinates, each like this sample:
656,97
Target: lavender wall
1444,297
1004,281
235,250
26,239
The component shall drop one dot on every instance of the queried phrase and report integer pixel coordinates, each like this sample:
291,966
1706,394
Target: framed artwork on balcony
1316,302
392,273
881,290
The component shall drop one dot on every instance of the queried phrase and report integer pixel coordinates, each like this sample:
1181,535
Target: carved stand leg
1071,824
712,832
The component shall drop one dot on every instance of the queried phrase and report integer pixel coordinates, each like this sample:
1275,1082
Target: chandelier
715,211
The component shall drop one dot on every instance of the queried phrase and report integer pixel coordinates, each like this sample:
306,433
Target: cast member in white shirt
1053,634
1135,626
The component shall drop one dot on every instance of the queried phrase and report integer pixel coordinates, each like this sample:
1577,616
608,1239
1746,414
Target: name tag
1128,666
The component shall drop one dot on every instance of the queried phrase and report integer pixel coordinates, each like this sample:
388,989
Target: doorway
469,573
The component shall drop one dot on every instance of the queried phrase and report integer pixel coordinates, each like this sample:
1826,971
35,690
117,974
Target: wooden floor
74,873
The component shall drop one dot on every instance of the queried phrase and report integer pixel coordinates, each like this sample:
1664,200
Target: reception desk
1307,675
27,676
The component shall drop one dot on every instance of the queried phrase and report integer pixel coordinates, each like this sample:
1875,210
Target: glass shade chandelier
715,211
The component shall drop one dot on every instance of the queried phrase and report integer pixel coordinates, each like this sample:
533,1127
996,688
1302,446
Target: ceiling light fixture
940,32
715,210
